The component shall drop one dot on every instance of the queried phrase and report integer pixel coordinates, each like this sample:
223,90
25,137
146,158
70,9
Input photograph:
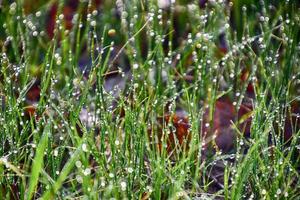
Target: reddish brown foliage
181,133
220,126
33,95
180,136
30,110
220,132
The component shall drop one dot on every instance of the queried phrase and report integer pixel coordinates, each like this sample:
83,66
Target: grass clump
149,100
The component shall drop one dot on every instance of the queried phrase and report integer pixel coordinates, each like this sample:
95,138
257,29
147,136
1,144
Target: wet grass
139,100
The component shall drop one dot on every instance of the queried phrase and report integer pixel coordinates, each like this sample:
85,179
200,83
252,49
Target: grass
96,109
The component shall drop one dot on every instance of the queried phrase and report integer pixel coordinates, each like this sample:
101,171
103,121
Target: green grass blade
38,162
49,194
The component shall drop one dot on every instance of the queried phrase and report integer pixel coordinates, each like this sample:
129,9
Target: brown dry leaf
33,95
181,125
146,196
224,115
30,110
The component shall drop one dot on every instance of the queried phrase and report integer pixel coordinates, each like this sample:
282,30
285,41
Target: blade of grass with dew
38,162
245,168
50,193
10,166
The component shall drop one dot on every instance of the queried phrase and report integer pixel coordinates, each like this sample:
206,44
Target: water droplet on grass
87,171
79,179
123,185
84,147
78,164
